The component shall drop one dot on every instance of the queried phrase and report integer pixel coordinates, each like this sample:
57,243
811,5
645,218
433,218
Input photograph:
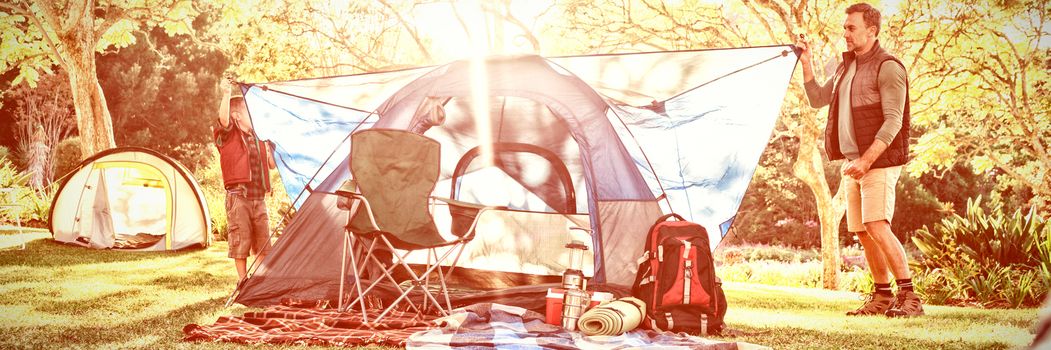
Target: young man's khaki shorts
870,198
249,226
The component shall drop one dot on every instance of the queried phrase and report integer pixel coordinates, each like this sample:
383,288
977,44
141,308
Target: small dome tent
130,198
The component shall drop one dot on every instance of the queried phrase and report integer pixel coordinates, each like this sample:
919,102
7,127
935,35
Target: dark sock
883,289
904,284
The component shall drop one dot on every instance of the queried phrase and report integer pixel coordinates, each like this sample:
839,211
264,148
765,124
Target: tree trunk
93,119
808,168
94,124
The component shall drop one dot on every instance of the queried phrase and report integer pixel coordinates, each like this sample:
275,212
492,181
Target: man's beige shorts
870,198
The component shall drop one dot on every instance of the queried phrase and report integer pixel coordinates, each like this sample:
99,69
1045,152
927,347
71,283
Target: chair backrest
396,171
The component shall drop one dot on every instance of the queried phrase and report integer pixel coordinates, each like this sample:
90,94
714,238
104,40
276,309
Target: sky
449,38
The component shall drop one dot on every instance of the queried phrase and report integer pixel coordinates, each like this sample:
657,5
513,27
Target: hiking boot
906,304
877,304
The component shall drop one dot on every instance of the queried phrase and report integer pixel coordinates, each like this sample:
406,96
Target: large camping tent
626,136
130,198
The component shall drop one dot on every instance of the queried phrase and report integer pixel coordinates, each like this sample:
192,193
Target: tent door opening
131,207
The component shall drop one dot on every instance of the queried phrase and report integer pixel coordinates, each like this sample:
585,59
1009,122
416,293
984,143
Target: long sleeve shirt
892,88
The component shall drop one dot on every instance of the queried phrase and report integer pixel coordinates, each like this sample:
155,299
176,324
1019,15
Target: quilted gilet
867,110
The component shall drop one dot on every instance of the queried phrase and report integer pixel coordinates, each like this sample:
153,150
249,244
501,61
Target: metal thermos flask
573,305
576,298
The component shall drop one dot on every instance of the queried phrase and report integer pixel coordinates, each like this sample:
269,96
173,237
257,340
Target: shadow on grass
49,253
971,316
774,300
15,230
194,280
103,302
162,331
798,338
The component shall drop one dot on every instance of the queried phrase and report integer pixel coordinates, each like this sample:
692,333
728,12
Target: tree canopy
983,89
41,34
978,69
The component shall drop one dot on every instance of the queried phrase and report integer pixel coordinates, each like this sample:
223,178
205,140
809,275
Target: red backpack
677,279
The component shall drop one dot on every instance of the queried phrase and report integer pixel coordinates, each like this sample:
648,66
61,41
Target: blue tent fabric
641,133
311,137
705,144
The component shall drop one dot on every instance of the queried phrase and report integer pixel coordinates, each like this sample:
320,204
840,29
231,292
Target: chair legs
359,295
349,241
421,281
348,245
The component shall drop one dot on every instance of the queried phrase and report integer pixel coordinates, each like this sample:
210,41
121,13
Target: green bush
67,156
13,179
856,279
784,266
989,239
10,177
779,209
760,252
37,205
210,177
916,207
5,154
937,288
986,257
969,283
956,185
797,274
194,156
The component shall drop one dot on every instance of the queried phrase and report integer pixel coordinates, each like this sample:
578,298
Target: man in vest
868,126
245,162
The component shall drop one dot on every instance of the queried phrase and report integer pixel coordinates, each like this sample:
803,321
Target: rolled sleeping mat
613,318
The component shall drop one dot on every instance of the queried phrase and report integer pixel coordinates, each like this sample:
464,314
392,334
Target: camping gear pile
584,151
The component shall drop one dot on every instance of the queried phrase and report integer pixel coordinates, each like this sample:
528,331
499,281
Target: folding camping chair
393,174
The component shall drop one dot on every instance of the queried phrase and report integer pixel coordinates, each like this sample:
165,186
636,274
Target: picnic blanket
613,318
500,326
296,325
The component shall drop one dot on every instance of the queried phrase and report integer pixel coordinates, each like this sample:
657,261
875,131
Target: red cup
553,304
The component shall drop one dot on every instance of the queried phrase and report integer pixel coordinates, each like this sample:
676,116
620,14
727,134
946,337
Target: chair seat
403,245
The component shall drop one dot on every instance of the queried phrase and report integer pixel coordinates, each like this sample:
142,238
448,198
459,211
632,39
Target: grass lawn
59,296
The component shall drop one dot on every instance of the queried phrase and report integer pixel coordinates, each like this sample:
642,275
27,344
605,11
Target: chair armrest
349,188
348,192
465,215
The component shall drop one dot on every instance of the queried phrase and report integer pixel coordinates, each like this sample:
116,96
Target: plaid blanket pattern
496,326
292,325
